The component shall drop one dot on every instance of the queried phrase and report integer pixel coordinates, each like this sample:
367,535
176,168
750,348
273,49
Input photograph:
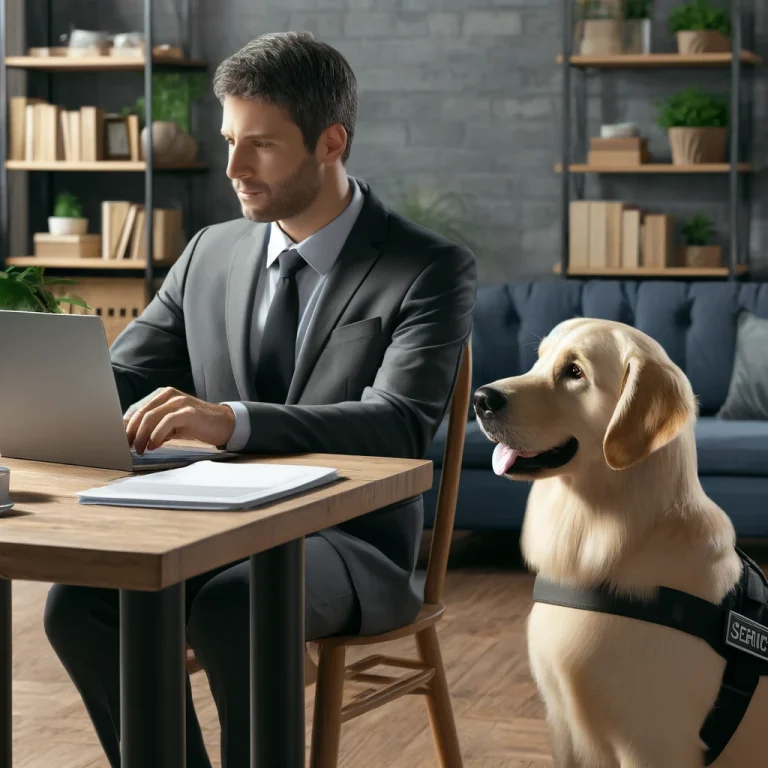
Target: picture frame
117,145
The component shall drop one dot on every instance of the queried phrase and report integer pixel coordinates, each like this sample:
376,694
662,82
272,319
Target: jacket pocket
353,331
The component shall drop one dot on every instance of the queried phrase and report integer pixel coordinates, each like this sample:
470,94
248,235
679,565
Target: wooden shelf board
66,263
98,63
620,272
655,168
661,60
101,165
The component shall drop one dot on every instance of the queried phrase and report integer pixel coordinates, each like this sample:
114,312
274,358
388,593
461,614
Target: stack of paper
210,485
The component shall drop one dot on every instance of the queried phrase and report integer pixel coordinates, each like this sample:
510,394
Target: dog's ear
654,406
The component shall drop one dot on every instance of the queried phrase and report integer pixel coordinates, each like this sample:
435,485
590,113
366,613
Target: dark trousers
82,625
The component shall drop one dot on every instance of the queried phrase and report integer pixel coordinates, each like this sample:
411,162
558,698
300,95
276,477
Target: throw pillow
748,391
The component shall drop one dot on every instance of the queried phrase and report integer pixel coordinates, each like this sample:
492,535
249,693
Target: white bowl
64,225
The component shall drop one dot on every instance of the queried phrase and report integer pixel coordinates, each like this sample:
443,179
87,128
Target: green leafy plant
692,108
699,230
443,213
699,15
26,290
172,97
68,206
638,9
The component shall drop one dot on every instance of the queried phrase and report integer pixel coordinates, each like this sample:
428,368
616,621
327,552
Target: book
210,485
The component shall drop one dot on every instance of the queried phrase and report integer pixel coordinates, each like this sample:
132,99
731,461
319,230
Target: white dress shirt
320,250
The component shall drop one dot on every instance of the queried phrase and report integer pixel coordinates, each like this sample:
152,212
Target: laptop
59,401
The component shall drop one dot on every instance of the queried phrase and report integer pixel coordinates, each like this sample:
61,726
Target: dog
603,424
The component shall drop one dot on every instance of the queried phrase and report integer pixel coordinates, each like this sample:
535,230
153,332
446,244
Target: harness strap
670,608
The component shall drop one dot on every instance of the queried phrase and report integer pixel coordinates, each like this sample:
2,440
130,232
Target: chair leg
439,706
329,693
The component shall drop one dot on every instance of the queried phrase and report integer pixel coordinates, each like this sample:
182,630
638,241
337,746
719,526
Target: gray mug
5,486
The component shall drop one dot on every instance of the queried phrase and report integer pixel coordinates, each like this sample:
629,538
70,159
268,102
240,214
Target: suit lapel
241,287
355,261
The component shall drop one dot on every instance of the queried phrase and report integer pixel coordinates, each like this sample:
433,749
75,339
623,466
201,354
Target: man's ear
655,404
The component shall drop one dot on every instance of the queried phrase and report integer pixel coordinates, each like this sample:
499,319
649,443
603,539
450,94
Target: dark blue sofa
696,323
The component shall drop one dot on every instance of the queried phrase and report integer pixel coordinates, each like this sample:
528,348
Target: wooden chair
427,676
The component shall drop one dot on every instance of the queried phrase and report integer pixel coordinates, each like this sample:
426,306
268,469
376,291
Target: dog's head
600,391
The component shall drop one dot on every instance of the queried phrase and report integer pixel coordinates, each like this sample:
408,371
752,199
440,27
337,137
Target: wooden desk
148,553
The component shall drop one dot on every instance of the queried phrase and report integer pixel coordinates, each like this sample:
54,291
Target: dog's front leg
561,741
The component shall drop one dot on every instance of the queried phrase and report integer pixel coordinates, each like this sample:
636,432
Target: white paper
210,485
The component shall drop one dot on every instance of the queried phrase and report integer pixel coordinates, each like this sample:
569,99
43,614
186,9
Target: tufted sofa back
695,322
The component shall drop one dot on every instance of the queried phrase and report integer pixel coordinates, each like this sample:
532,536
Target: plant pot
170,144
700,255
702,41
691,146
637,36
601,37
64,225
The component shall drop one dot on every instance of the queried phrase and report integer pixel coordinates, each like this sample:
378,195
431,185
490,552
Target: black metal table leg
152,679
6,675
277,657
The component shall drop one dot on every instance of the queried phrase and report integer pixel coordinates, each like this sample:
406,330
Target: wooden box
620,151
49,246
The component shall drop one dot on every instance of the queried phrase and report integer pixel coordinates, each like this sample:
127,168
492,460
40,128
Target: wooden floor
500,718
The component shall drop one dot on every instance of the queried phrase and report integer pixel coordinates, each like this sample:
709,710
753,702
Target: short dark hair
309,79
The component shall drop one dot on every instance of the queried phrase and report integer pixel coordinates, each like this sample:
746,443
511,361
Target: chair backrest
448,491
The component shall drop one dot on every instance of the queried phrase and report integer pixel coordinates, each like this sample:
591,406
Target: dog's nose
489,401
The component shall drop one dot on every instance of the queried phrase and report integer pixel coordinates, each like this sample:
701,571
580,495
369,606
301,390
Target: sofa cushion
732,447
724,447
696,323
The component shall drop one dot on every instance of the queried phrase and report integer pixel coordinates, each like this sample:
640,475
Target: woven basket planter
700,255
691,146
702,41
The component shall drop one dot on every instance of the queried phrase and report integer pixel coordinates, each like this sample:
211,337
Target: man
320,321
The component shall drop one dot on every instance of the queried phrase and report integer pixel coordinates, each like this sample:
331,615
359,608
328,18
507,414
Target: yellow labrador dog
604,425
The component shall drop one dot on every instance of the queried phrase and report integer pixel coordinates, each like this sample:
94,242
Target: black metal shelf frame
574,138
149,171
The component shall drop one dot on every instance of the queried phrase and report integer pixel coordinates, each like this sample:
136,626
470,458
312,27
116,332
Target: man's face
273,174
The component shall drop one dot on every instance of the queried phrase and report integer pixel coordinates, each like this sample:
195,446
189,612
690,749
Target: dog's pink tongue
503,458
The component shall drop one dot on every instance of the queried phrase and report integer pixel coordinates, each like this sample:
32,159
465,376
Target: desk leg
277,657
152,679
6,675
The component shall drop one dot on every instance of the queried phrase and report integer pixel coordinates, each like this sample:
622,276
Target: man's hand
171,414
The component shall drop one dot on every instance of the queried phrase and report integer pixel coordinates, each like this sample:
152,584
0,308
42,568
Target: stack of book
605,235
124,233
44,132
621,150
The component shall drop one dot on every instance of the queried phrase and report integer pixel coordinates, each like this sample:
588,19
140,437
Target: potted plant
599,27
696,124
172,97
637,26
26,290
443,213
67,216
701,28
698,252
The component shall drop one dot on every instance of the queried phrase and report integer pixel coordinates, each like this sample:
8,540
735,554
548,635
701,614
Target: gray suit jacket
373,377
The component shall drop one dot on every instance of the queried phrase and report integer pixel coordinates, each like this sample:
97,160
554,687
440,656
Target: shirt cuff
242,432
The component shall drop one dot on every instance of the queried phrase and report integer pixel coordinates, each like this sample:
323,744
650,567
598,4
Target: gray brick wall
460,95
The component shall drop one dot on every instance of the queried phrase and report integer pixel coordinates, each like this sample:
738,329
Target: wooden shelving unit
109,265
118,273
619,272
739,63
661,60
655,168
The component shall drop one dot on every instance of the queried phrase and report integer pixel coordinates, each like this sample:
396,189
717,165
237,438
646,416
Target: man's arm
399,414
152,351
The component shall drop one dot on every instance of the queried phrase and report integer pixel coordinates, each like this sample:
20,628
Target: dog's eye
573,371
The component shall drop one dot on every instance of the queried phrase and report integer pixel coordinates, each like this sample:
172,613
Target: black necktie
278,342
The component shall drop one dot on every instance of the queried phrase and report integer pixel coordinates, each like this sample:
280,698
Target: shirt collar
321,249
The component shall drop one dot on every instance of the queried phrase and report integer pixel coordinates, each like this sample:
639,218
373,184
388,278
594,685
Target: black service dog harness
736,629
